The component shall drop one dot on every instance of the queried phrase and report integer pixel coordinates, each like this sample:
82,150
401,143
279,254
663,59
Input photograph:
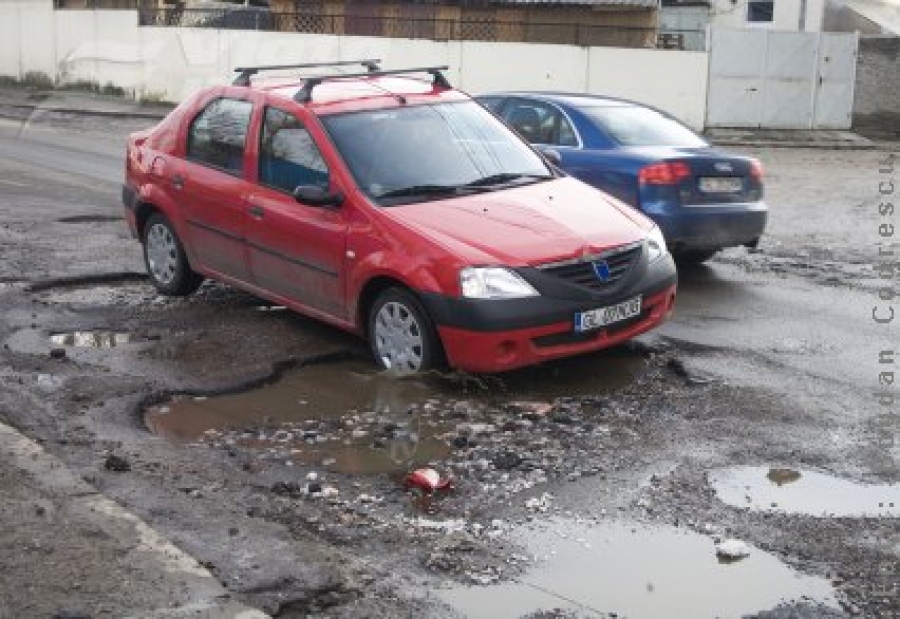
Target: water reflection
636,571
91,339
796,491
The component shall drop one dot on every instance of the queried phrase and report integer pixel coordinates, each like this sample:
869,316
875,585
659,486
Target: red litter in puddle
428,481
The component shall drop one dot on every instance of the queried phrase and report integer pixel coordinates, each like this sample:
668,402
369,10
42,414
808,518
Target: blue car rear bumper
710,226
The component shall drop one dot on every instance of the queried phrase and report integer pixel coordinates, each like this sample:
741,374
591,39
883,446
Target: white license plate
721,184
594,319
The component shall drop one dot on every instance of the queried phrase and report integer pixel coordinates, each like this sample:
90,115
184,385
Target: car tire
167,264
694,258
401,334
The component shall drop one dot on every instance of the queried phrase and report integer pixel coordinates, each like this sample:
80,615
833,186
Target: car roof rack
305,93
371,65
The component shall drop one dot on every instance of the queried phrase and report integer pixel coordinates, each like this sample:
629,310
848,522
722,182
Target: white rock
732,549
539,504
312,476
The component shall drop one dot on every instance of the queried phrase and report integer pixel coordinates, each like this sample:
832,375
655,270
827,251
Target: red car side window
219,133
288,156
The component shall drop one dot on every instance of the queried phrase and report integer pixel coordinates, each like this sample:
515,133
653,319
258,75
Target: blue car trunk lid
714,178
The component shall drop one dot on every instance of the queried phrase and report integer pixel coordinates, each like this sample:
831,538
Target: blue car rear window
640,126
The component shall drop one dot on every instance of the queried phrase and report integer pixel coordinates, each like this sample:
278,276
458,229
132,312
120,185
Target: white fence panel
781,80
736,69
787,96
837,78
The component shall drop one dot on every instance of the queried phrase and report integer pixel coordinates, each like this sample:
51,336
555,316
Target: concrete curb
84,111
824,139
889,146
148,549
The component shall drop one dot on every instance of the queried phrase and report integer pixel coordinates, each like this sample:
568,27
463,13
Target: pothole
89,219
350,418
799,491
126,289
129,292
345,415
635,570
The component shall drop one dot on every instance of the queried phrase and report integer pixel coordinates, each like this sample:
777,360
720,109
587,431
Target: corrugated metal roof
649,4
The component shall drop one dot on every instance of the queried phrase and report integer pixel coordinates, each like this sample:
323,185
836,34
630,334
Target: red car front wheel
401,334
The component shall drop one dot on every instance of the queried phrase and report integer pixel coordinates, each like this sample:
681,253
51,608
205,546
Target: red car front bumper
499,351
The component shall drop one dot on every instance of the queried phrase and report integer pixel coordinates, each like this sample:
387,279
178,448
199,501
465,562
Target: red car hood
544,222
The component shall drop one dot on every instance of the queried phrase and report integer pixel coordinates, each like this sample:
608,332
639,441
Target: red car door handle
256,212
178,181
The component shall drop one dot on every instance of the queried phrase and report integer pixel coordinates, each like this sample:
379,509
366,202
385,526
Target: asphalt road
785,338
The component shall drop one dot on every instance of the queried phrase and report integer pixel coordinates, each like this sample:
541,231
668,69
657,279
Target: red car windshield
417,152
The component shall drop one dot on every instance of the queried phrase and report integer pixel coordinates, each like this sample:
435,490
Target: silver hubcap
398,338
162,253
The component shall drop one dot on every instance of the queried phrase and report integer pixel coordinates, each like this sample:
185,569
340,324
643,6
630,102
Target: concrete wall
877,98
24,31
169,63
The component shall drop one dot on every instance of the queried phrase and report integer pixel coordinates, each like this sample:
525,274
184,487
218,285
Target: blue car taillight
665,173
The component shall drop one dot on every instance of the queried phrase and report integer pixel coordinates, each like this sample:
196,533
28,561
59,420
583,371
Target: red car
397,208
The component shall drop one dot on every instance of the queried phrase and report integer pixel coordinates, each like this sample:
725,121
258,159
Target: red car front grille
583,272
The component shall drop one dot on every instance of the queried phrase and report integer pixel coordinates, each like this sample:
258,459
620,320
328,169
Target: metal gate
781,80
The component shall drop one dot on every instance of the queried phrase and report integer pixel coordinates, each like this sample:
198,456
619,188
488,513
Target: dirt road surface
218,457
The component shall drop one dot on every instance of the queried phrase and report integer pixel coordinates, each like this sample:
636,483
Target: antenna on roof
371,65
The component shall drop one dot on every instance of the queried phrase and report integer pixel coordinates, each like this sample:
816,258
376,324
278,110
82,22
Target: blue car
703,199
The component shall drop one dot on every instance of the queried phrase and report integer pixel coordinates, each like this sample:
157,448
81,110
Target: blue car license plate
721,184
603,316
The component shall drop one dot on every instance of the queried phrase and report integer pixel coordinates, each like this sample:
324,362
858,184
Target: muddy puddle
350,418
91,339
636,571
799,491
344,416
